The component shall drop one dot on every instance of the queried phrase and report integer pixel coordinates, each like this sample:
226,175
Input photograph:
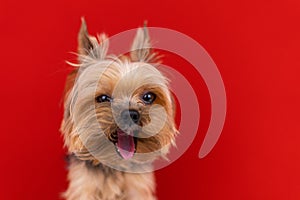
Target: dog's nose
129,116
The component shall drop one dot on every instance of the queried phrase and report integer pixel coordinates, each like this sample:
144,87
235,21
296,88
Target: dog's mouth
125,142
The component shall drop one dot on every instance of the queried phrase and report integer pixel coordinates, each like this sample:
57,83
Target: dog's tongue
125,144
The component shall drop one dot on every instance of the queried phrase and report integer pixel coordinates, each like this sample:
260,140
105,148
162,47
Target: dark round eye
103,98
149,97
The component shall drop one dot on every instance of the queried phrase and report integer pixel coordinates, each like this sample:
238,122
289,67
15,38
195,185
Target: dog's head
117,109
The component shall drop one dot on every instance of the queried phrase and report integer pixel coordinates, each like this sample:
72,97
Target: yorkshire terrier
118,119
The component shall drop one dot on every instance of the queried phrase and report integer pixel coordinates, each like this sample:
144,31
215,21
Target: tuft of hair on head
141,49
89,47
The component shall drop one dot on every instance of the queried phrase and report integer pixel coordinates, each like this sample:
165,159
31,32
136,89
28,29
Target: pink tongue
125,144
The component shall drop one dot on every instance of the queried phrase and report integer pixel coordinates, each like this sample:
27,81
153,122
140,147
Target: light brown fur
96,171
108,184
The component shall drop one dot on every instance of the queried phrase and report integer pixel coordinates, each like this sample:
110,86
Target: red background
254,43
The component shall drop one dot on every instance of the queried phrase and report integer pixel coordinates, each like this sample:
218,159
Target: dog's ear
91,46
85,42
141,49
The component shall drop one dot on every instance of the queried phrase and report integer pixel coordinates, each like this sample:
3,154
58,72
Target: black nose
129,116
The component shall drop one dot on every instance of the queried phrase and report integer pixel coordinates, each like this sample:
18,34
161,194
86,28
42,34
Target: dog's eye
103,98
149,97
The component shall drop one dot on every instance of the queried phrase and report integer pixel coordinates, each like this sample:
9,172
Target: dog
119,116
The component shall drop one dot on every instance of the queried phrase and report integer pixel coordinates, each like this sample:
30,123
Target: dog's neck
91,164
107,170
100,181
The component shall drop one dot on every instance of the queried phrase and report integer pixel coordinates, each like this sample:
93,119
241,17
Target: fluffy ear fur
85,42
141,49
93,47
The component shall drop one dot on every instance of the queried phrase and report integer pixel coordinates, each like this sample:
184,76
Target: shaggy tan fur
96,170
108,184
